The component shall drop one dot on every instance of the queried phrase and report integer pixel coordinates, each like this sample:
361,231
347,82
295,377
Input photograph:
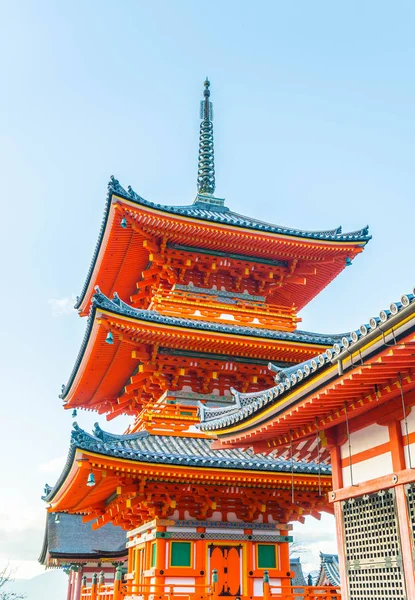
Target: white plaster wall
232,518
216,516
275,584
222,530
410,463
258,588
410,419
368,469
183,581
366,438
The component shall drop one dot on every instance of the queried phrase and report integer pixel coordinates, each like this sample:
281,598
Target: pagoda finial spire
206,166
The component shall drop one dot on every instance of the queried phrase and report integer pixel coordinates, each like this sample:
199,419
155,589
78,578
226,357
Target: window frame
191,551
275,546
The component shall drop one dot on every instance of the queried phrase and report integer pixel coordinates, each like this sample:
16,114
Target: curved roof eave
118,307
143,447
215,214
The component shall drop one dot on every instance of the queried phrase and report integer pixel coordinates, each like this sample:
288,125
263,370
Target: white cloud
315,537
23,569
62,306
54,465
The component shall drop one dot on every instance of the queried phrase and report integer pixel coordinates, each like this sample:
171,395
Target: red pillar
406,541
396,444
78,584
70,585
161,548
284,553
337,475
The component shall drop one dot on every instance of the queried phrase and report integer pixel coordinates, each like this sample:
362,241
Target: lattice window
372,546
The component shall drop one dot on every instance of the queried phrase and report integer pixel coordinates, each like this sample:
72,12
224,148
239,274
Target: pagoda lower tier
188,509
130,357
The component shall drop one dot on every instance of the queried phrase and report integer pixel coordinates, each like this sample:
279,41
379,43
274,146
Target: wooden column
341,548
406,540
70,585
161,544
396,443
337,476
78,584
284,555
249,591
336,467
131,569
139,554
201,549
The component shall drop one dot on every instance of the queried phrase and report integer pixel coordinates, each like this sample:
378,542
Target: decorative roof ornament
206,164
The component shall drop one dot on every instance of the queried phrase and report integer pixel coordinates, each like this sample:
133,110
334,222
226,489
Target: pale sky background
314,127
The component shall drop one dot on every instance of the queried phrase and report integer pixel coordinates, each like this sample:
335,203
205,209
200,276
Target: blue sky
314,128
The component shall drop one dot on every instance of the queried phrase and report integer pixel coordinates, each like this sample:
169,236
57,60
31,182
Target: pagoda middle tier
130,357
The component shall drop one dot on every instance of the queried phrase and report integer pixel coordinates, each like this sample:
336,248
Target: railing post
308,593
118,583
101,583
215,585
265,586
83,585
94,587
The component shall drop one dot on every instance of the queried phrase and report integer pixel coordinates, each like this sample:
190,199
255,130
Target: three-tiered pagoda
185,304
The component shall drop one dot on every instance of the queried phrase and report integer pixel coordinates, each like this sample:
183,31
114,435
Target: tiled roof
216,214
298,579
329,570
175,450
287,379
117,306
72,538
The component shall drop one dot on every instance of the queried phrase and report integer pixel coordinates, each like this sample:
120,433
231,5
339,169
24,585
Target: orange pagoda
185,304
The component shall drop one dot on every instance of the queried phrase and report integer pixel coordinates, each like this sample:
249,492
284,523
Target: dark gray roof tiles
298,579
175,450
329,569
72,538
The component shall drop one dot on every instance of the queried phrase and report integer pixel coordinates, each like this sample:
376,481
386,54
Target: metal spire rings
206,166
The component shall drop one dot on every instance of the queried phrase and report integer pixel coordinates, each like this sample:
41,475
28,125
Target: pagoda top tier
137,234
131,226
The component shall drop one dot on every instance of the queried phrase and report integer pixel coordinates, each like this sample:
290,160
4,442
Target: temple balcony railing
130,590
